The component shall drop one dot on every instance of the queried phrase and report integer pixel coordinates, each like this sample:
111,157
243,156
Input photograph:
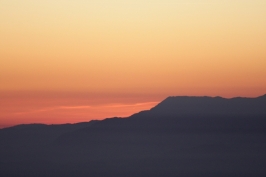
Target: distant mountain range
181,136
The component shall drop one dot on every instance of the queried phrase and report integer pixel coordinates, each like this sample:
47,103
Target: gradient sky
77,60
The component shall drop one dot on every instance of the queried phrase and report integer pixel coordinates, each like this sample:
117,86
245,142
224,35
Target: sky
69,61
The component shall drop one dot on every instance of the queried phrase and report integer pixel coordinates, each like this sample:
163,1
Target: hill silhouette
181,136
211,106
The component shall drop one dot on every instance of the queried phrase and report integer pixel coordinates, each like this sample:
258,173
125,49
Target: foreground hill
181,136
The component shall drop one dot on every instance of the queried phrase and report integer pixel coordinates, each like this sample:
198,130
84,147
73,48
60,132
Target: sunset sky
66,61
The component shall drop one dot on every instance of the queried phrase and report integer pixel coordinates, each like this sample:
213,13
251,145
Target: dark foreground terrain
181,136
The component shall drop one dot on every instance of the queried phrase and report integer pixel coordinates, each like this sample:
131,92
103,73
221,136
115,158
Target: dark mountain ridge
211,106
181,136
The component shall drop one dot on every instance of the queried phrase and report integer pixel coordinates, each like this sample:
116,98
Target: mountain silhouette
211,106
181,136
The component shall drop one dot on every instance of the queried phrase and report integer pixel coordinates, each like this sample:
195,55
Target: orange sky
70,61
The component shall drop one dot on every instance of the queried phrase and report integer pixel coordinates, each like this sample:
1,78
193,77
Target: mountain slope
181,136
211,106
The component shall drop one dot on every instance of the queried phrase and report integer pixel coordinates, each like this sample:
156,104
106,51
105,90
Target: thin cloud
74,107
86,107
